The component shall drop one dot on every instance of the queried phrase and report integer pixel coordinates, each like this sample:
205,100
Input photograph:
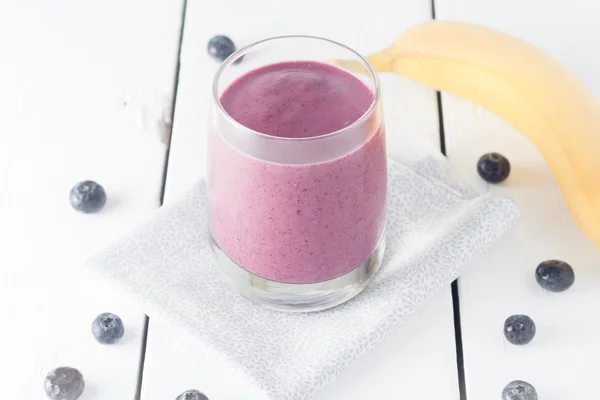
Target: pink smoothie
288,222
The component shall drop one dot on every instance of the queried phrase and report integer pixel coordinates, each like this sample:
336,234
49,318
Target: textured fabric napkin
435,227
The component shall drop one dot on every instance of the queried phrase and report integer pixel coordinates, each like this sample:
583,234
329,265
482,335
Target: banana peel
521,84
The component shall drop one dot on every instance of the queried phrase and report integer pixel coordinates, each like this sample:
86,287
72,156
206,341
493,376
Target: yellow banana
521,84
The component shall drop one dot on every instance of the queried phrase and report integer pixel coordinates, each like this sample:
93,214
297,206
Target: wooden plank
84,86
561,361
173,364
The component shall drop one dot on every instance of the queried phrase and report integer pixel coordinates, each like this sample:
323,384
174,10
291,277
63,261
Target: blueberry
220,47
192,394
519,390
493,167
64,383
108,328
555,275
87,197
519,329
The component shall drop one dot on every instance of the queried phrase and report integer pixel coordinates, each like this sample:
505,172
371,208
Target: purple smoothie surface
297,99
288,222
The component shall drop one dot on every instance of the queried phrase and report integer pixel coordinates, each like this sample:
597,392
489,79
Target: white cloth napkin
435,227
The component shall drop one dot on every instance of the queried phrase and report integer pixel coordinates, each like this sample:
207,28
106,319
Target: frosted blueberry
87,197
64,383
555,275
220,47
107,328
192,394
519,329
519,390
493,167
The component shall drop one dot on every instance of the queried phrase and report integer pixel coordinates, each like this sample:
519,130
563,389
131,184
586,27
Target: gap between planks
138,390
460,366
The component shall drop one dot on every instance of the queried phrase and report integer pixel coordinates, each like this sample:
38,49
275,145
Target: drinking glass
296,223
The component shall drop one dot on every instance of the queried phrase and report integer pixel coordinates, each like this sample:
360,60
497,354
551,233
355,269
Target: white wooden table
86,90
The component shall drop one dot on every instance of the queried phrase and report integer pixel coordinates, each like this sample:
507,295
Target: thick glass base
299,297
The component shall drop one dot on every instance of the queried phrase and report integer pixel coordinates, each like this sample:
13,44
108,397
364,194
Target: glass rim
242,51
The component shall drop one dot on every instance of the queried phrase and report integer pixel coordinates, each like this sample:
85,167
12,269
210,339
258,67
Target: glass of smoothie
296,173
